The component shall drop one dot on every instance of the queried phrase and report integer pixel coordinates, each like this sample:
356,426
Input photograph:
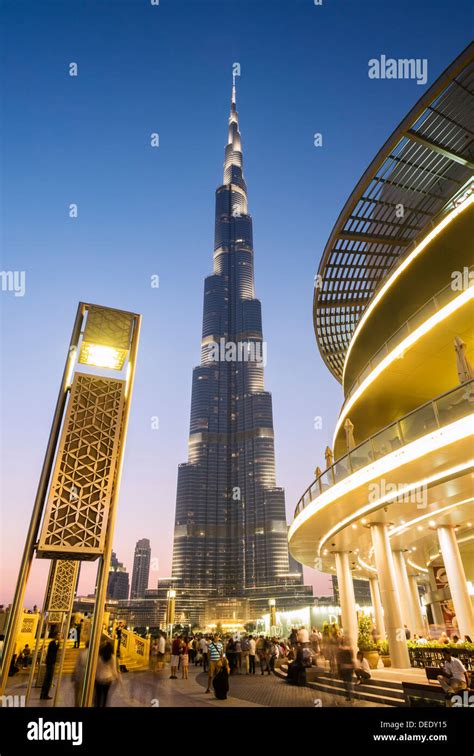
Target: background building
118,585
141,568
230,537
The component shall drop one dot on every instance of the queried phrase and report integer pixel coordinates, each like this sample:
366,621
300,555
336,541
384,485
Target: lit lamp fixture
106,339
170,609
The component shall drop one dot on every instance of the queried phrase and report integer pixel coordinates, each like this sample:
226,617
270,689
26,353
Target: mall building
393,318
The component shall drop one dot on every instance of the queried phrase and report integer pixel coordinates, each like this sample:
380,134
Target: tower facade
118,584
141,568
230,536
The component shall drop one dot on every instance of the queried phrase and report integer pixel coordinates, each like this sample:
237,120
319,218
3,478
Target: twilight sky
146,211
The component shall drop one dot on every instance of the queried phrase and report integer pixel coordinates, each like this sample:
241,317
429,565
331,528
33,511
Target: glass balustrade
444,410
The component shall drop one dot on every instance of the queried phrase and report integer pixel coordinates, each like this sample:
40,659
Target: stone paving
148,689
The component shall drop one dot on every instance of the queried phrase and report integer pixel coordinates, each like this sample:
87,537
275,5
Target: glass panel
445,296
326,480
418,423
397,337
342,468
386,441
361,456
457,404
419,317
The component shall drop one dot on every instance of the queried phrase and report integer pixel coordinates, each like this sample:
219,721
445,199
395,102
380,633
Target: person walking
221,679
296,674
231,655
238,655
175,653
106,674
204,649
79,673
161,650
154,655
185,648
216,652
345,665
118,634
245,651
77,641
274,653
51,656
252,654
263,652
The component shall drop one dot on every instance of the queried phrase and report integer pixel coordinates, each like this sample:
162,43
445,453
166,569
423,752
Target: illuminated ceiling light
106,340
399,270
366,566
364,521
469,524
354,526
438,512
419,527
398,351
432,523
416,566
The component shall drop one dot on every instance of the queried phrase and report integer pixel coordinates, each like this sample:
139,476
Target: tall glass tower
230,538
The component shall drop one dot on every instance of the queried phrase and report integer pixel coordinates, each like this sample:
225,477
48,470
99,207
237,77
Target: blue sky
145,211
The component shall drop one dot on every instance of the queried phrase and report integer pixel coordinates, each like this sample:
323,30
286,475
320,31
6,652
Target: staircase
71,654
381,692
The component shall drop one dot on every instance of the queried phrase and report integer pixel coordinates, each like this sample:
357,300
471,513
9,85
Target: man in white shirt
454,676
252,652
303,636
204,649
161,650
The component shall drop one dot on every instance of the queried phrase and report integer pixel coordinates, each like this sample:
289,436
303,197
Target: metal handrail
332,473
383,351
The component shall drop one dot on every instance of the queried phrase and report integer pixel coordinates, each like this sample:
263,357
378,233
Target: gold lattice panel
81,489
62,585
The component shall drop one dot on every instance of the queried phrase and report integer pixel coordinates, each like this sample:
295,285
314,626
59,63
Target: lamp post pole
171,596
16,609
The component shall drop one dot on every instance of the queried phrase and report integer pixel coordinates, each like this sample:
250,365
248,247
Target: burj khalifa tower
230,537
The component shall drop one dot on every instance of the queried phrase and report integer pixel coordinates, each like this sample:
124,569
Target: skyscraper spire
233,100
230,531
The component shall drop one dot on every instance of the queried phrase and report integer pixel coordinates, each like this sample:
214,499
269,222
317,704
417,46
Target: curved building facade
394,319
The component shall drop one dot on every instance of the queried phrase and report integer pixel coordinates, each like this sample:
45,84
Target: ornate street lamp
75,507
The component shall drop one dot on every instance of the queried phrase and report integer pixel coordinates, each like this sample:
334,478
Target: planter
387,662
372,657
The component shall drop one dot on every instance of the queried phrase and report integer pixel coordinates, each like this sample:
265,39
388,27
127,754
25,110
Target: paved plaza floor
148,689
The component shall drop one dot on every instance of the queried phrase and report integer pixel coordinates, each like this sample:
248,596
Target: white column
404,592
419,624
388,591
347,597
456,580
377,604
